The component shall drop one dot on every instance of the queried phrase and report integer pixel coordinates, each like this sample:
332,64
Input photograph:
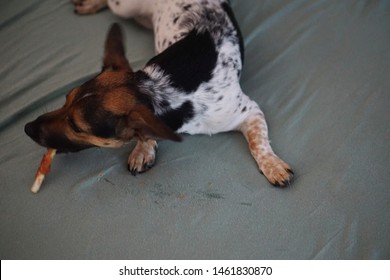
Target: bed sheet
318,69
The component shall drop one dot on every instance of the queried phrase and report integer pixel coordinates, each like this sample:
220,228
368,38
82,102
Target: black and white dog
190,86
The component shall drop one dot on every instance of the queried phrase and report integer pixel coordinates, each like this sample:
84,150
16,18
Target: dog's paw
277,172
85,7
143,157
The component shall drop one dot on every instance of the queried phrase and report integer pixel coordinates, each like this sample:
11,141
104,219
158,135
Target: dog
191,86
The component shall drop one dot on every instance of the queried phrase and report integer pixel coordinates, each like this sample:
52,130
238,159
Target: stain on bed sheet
211,195
164,191
246,203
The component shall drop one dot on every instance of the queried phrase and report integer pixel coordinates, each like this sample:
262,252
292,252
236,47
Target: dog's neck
151,91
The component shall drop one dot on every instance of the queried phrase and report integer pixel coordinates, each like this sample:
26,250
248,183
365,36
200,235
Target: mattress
318,69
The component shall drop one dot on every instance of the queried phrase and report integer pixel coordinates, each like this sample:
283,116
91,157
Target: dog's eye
74,126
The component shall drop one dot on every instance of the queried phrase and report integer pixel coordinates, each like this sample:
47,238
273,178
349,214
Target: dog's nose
31,130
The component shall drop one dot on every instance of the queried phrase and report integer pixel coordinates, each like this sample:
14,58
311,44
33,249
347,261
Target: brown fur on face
106,111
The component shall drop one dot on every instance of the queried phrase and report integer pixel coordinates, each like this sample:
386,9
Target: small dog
190,86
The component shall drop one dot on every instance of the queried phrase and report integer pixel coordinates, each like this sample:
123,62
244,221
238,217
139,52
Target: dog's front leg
274,169
143,156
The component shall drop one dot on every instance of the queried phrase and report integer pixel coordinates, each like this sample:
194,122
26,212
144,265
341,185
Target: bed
318,69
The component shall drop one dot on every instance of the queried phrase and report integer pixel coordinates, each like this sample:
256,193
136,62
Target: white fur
221,115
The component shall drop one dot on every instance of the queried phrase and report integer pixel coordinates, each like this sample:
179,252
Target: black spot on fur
187,7
228,10
165,103
204,107
175,118
190,61
243,109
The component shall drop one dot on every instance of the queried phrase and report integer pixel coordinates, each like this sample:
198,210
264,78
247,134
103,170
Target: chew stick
43,169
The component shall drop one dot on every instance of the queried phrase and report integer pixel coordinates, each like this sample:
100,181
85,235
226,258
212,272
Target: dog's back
197,72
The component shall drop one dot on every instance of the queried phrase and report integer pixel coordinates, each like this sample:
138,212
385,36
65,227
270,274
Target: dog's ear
114,51
146,125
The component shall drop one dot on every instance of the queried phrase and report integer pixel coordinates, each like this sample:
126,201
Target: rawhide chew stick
43,169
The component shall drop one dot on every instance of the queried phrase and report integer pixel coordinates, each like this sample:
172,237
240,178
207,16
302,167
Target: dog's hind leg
143,156
274,169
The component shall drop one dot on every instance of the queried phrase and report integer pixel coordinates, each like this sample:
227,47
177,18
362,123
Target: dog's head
106,111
